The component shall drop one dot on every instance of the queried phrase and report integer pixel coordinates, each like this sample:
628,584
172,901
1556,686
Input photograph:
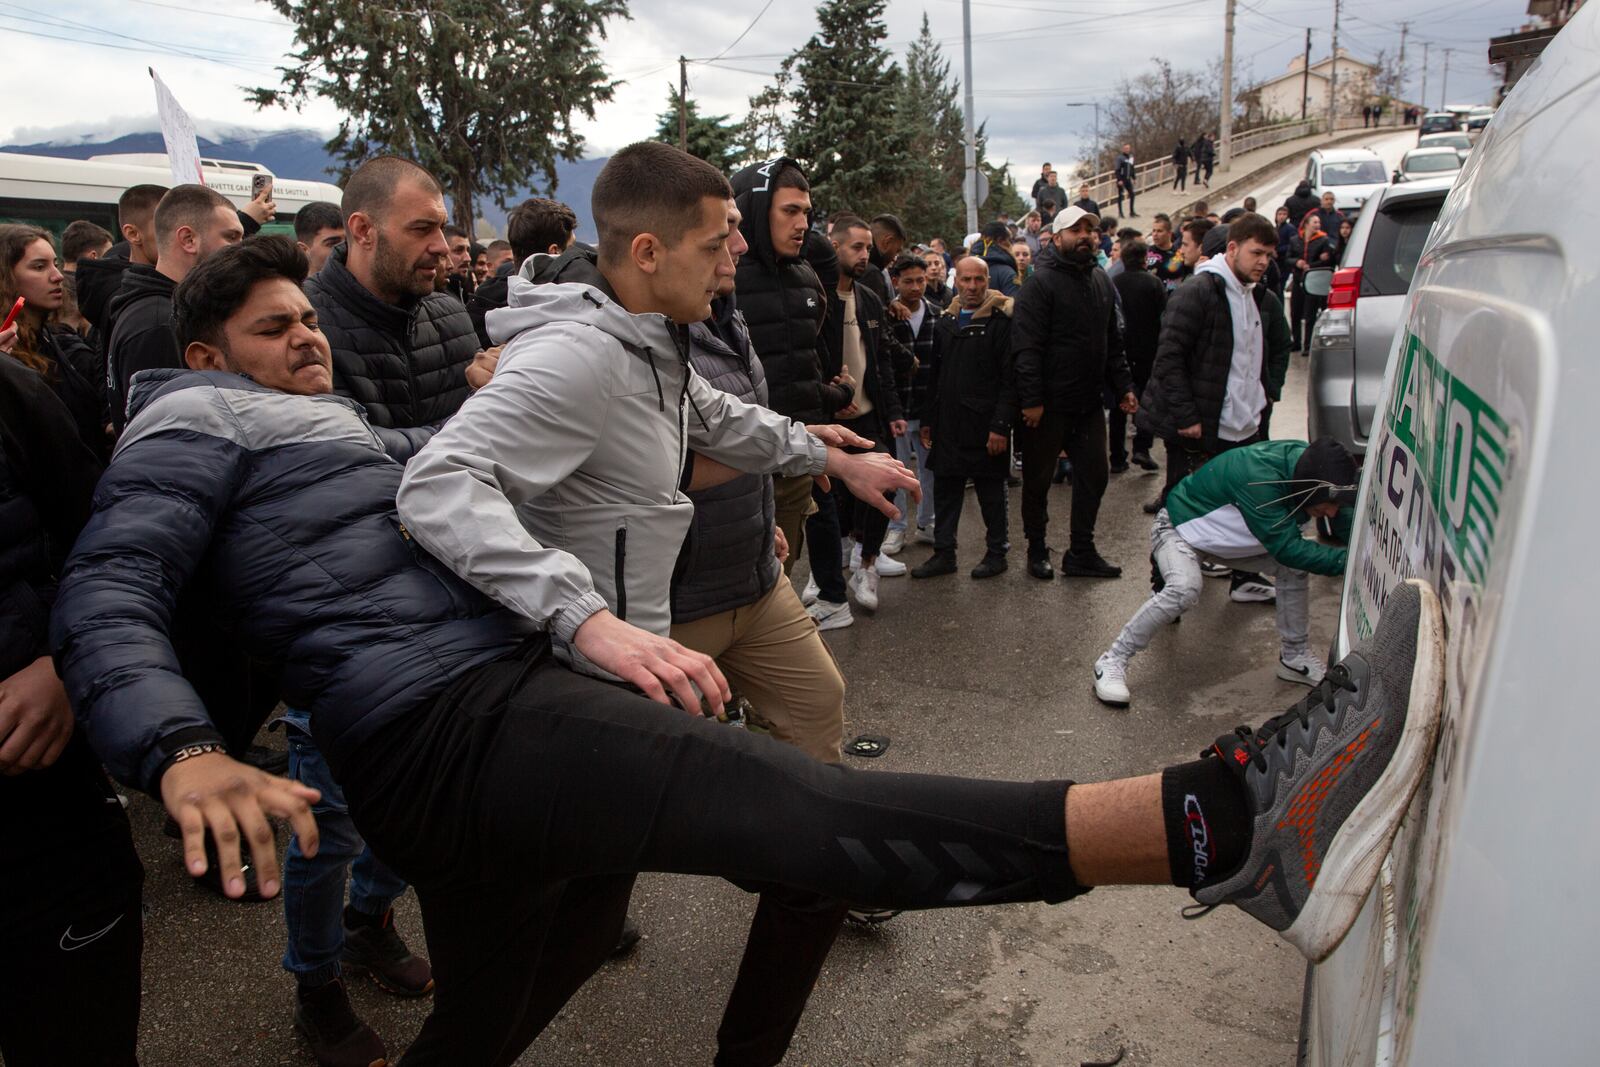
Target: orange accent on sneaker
1307,804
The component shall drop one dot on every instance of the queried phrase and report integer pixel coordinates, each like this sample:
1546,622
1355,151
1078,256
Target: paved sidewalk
1229,186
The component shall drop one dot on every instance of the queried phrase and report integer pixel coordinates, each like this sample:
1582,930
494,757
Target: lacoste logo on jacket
811,301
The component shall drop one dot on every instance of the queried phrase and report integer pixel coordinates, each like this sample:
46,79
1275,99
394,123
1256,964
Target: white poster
177,130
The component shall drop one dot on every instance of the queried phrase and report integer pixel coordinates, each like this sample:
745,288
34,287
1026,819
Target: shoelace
1325,694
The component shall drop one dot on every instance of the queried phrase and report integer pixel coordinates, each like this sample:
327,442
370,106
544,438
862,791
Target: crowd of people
502,537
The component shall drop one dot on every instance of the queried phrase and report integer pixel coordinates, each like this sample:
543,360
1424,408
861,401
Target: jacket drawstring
661,396
680,337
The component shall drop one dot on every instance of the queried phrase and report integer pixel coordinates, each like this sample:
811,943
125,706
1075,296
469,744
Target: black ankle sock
353,918
1207,820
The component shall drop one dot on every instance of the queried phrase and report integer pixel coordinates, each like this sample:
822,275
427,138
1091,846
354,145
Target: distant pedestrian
1180,164
1377,115
1086,201
1208,157
1125,175
1366,117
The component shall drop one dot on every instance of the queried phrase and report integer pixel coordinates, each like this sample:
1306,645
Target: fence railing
1160,172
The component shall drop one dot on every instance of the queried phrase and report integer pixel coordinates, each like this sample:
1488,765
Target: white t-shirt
915,322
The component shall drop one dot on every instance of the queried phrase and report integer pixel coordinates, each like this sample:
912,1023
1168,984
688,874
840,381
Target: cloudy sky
78,66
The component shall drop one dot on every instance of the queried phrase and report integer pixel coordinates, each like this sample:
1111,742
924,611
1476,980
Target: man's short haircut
315,217
1202,208
1162,216
1133,253
845,220
1252,227
373,185
452,231
1231,214
496,246
790,176
186,205
1128,233
137,203
995,231
650,187
889,224
82,236
1197,229
907,261
536,224
1034,214
220,285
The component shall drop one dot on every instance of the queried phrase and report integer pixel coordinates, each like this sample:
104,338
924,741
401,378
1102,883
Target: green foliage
710,137
483,93
934,129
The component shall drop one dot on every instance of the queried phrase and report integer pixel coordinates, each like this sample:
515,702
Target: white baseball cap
1070,218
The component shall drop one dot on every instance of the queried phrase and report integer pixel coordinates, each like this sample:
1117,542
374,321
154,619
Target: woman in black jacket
57,354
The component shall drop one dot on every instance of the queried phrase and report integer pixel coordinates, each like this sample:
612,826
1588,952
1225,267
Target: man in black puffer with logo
784,302
399,348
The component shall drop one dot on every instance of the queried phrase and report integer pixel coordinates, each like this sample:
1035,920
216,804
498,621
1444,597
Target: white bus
51,192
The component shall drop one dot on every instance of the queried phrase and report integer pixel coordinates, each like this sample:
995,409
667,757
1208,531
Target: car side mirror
1318,281
1395,177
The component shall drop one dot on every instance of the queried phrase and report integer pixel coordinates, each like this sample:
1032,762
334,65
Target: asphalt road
973,678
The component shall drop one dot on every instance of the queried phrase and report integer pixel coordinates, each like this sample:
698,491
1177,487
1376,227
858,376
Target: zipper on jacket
621,564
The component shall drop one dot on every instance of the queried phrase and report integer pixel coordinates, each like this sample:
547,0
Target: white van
1481,942
51,192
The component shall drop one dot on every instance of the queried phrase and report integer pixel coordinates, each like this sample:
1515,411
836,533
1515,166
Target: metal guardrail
1161,172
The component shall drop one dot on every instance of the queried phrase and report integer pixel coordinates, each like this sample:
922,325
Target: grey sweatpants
1179,563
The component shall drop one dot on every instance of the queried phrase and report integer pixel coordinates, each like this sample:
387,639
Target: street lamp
1095,154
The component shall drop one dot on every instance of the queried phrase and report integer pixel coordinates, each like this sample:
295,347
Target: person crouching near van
1245,508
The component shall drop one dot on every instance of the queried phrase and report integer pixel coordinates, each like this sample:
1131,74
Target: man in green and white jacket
1245,508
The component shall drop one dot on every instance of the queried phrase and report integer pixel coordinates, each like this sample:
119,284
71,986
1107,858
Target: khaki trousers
771,652
791,503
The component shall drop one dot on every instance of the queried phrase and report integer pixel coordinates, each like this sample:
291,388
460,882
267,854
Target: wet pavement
975,678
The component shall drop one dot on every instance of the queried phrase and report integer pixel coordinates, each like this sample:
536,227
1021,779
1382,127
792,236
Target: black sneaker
1142,460
1150,507
628,940
335,1033
1119,466
1039,562
1088,564
935,565
992,564
1330,779
372,944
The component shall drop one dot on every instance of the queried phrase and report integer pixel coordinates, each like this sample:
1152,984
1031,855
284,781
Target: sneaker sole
1108,701
1252,598
1350,866
350,967
835,622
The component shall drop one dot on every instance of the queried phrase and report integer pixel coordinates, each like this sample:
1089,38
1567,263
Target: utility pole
1423,95
683,104
1444,83
1225,150
1405,27
1305,78
1333,72
971,182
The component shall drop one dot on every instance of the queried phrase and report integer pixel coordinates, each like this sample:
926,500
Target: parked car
1350,174
1479,945
1437,122
1459,141
1479,117
1427,162
1351,339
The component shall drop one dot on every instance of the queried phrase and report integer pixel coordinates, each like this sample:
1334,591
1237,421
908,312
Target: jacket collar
994,302
335,275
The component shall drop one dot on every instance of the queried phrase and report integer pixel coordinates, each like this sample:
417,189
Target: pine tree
710,137
844,130
483,93
766,124
933,128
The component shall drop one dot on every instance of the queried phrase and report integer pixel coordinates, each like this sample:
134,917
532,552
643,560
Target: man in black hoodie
536,226
1301,202
784,302
1068,348
191,223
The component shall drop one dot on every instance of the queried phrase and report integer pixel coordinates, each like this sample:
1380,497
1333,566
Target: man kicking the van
440,708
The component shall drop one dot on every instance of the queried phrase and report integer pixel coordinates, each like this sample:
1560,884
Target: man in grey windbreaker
559,487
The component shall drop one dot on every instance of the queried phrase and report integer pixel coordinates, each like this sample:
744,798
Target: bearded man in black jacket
1068,348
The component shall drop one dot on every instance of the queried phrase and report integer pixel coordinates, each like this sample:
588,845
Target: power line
148,50
215,14
746,32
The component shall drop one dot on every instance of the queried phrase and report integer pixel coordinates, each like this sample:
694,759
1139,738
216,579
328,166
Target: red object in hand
1346,287
16,309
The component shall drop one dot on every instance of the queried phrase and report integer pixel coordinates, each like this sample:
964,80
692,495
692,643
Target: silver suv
1351,340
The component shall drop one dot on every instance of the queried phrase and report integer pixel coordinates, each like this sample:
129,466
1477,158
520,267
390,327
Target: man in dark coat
1144,300
1180,162
1068,349
782,298
993,247
967,418
399,348
1301,202
1126,176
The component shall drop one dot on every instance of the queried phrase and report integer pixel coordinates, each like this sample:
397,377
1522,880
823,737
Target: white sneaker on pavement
893,542
1111,681
808,595
830,616
1302,668
864,587
889,568
1253,593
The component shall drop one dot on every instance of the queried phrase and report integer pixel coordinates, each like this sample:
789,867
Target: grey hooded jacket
555,489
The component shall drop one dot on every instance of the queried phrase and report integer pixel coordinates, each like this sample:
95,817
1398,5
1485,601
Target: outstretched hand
837,436
233,800
871,475
663,670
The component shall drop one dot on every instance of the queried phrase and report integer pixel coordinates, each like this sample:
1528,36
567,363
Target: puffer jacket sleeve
1030,340
535,422
155,512
1279,344
1119,379
1180,333
747,437
1005,407
404,442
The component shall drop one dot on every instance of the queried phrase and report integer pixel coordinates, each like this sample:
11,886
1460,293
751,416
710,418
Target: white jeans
1179,563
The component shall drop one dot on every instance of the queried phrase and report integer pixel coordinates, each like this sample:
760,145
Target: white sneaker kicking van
1481,942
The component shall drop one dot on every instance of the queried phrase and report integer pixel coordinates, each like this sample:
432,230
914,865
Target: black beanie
1325,460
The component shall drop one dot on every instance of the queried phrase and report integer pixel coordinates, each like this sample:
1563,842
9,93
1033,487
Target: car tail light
1346,286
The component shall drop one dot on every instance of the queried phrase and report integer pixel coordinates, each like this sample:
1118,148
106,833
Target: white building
1280,97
